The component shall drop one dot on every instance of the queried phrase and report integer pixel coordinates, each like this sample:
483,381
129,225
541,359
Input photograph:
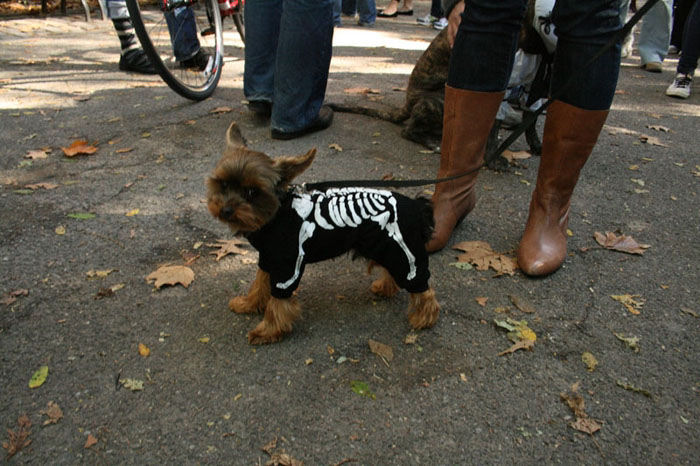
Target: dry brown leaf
18,440
221,110
522,304
381,350
481,256
227,247
622,243
663,129
362,90
654,141
575,402
481,300
79,147
144,350
37,154
90,441
36,186
335,147
54,412
511,156
171,275
519,345
283,459
269,446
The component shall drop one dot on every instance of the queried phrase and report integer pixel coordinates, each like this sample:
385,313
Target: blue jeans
482,57
366,9
691,42
655,34
287,57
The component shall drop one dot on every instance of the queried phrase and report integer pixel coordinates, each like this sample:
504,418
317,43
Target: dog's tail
425,210
396,115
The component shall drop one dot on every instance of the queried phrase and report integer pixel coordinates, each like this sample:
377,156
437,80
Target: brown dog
291,227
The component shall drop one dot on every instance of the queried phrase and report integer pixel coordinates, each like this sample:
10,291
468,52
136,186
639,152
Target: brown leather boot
569,136
466,125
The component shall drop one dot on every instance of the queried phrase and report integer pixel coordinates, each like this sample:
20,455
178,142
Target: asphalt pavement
145,376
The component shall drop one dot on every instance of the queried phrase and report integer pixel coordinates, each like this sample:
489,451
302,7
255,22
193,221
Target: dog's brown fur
243,192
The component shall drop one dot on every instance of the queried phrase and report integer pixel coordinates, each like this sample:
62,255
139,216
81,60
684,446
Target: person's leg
262,26
349,7
303,59
574,121
367,11
132,58
691,42
683,82
655,35
681,12
480,66
183,33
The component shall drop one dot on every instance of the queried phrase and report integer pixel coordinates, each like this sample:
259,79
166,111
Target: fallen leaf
54,413
651,140
481,300
517,329
99,273
308,361
19,439
227,247
132,212
522,304
144,350
632,388
511,156
270,446
335,147
481,256
221,110
204,340
132,384
575,402
79,147
81,216
689,311
520,345
663,129
411,339
123,150
36,186
362,388
622,243
60,230
37,154
39,377
589,360
362,90
380,349
171,275
91,440
632,342
630,301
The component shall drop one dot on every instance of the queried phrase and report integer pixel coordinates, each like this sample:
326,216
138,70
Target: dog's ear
290,167
234,138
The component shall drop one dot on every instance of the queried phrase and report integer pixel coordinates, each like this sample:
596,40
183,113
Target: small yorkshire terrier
291,227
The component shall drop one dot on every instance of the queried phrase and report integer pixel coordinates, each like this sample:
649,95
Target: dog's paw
425,310
242,305
384,287
261,335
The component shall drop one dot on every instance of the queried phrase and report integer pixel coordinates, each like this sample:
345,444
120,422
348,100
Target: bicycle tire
239,22
153,33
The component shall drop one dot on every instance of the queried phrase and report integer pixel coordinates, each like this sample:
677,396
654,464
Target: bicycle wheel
195,79
240,24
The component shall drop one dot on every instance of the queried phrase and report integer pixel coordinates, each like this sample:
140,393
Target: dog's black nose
227,212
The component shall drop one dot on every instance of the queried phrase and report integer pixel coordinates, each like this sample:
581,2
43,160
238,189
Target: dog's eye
250,193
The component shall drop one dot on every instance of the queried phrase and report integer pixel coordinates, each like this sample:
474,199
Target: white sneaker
440,24
673,50
426,20
680,87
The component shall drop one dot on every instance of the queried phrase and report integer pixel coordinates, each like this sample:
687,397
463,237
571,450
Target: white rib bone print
347,207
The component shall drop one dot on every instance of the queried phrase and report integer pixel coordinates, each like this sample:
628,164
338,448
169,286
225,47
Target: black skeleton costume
381,225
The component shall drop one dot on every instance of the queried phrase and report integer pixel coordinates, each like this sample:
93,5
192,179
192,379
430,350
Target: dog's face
243,189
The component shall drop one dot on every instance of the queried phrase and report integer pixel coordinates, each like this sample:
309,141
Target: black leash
529,119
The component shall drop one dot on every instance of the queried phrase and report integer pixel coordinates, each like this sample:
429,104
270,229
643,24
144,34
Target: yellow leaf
132,212
633,302
589,360
204,340
60,230
39,377
144,350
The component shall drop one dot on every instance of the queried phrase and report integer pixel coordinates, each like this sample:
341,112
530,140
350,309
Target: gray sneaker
680,87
